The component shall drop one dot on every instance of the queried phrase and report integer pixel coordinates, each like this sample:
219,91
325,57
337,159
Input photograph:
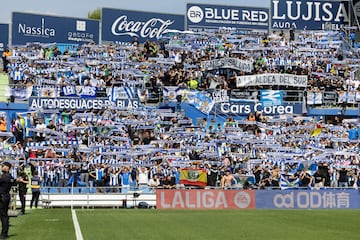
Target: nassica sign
310,15
123,25
201,16
205,199
49,29
4,37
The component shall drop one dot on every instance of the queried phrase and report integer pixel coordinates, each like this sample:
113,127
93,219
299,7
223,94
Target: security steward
22,181
6,182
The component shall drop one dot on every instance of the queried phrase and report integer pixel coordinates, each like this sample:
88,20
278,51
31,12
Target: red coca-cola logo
153,28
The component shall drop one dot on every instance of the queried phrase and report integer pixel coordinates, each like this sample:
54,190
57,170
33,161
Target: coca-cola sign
124,25
152,28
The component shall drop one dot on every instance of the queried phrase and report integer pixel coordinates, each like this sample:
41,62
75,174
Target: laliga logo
242,200
122,26
195,14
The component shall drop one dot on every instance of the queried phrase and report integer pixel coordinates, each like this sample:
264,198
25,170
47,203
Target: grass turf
41,224
153,224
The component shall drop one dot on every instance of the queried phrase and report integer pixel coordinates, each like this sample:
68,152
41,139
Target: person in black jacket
6,182
22,181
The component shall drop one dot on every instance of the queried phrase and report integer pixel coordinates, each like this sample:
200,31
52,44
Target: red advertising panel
205,199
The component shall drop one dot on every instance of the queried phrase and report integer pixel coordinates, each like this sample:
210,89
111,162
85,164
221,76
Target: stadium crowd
122,148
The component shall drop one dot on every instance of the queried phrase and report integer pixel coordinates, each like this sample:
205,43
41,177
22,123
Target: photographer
22,181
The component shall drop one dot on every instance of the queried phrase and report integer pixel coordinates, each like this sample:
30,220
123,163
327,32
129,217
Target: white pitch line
76,226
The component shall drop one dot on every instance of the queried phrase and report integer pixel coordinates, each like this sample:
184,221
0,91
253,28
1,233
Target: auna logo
37,31
195,14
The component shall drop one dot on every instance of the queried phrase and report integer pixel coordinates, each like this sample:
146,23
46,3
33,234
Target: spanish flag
193,177
317,130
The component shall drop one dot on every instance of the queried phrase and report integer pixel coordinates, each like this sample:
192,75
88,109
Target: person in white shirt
40,126
154,182
143,176
114,180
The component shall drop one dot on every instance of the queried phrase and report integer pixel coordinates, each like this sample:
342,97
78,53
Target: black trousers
35,198
22,195
4,207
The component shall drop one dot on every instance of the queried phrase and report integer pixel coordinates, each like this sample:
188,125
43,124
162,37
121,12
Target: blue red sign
205,16
123,25
4,37
310,15
50,29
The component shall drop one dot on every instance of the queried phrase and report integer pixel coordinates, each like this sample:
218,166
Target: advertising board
28,27
80,103
301,199
309,15
206,16
4,37
205,199
259,199
243,108
124,25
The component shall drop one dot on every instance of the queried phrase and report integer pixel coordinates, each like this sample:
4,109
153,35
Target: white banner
314,98
233,63
219,96
47,91
171,93
348,97
272,79
116,93
19,93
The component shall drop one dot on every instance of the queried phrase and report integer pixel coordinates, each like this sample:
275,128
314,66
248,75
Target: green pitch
151,224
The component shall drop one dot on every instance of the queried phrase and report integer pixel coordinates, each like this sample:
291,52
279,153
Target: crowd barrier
90,198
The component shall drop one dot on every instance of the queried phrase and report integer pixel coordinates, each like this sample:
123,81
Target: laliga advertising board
258,199
50,29
205,16
124,25
205,199
4,37
313,14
